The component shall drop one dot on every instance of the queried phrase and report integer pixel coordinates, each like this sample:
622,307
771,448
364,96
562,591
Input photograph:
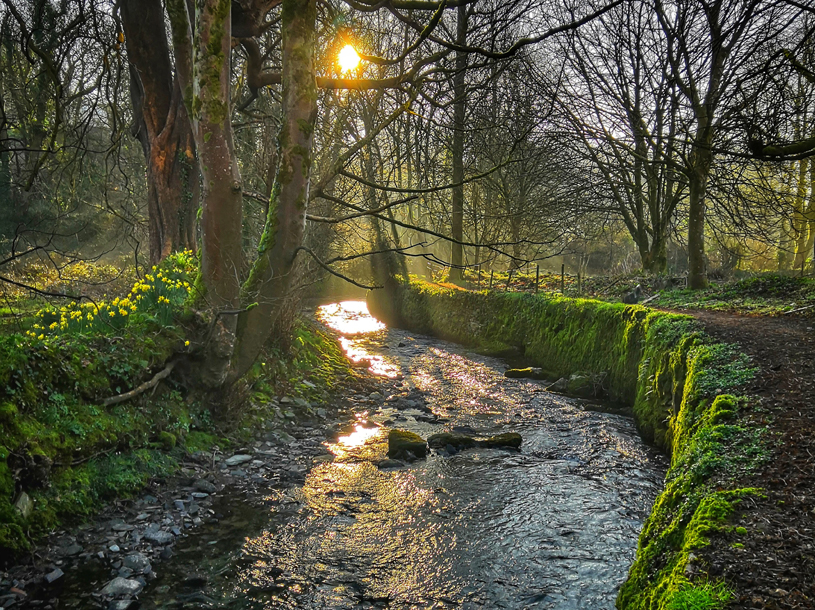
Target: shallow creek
554,525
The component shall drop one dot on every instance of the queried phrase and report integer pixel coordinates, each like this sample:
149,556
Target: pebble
199,495
114,548
52,576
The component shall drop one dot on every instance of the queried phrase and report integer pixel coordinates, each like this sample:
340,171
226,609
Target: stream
554,525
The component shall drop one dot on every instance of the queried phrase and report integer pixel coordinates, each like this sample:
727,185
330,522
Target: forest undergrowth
69,441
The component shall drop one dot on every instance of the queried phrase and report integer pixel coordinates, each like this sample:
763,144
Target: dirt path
775,569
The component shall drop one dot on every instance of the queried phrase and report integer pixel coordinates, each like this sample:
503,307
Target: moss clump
167,440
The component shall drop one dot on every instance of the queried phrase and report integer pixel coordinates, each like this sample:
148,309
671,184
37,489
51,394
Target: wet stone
506,440
136,562
238,459
158,537
121,587
24,505
389,464
205,486
74,549
402,444
54,575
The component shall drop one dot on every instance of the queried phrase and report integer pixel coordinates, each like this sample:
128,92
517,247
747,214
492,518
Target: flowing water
553,525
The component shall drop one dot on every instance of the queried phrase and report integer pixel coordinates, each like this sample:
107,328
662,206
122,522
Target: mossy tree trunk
800,221
270,279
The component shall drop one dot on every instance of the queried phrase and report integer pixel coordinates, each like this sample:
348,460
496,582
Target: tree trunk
270,279
162,126
800,221
459,111
655,257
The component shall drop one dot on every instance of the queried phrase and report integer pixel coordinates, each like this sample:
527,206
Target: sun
348,58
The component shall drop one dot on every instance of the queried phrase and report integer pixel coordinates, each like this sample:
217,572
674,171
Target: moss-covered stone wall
675,377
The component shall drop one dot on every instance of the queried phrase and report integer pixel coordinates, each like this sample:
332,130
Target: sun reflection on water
349,318
352,444
352,320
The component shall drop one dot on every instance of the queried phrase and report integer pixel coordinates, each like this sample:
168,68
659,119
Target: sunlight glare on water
349,318
352,320
350,445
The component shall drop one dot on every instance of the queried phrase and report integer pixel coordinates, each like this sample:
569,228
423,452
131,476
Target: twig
113,400
786,313
649,299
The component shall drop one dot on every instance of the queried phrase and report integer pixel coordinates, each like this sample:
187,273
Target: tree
619,97
162,126
707,45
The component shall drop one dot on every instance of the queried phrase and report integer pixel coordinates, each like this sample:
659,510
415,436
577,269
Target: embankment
64,454
677,380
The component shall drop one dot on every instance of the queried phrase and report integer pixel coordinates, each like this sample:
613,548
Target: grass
702,596
761,294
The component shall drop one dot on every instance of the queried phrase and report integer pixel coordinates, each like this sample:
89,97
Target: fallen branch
649,299
114,400
786,313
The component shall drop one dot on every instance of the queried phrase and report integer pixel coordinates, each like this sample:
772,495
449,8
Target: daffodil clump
154,297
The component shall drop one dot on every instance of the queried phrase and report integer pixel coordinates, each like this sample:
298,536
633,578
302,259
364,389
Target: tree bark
270,279
162,126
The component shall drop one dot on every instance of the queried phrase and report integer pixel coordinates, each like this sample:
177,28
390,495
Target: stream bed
554,525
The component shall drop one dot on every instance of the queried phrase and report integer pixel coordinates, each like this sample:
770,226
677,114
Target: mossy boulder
458,441
401,443
508,440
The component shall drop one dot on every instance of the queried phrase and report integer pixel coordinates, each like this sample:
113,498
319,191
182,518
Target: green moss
8,411
167,440
12,539
199,441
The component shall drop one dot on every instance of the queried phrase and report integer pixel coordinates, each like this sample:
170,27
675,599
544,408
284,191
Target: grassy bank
66,451
677,380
